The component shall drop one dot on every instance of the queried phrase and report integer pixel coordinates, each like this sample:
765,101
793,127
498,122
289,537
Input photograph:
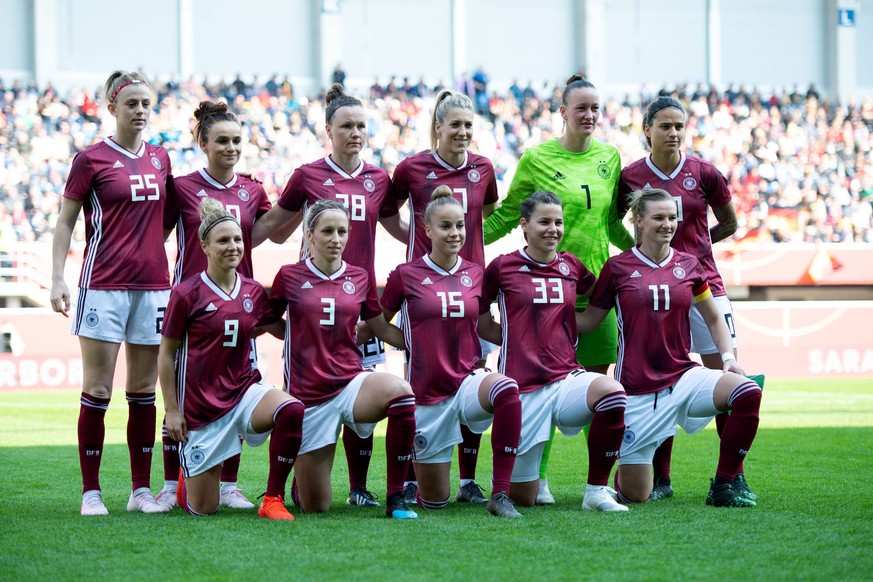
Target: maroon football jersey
322,310
214,366
242,197
473,184
440,310
694,184
367,193
538,315
123,195
651,303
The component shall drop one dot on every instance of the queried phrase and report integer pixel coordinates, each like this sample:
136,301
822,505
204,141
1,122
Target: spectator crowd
800,167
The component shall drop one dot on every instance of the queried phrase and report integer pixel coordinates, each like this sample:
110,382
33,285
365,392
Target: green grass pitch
811,464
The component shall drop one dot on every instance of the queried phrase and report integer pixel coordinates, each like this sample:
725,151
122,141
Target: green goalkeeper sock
547,450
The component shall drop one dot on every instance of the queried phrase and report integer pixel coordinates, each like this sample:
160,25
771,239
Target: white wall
864,35
16,39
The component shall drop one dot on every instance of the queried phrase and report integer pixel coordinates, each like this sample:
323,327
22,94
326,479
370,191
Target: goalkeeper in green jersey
584,173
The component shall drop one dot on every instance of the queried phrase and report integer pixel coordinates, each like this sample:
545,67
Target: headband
123,85
211,226
659,105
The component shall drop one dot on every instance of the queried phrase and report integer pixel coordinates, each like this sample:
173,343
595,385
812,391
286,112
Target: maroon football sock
505,432
171,454
359,451
662,458
410,473
740,429
468,453
284,445
720,422
230,469
604,438
141,437
398,440
91,431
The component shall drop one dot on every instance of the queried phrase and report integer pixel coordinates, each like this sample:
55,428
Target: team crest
565,270
156,163
679,272
629,437
466,281
369,185
248,304
197,456
243,195
420,442
689,183
603,171
91,320
473,175
349,287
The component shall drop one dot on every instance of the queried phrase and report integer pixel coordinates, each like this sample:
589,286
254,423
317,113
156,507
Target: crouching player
536,290
211,393
652,287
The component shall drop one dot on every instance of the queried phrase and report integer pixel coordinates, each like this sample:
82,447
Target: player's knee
398,388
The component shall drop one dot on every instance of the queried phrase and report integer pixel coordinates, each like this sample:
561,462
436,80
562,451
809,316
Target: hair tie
123,85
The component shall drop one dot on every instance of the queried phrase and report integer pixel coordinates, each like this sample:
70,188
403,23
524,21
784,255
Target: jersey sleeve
278,299
293,196
624,192
700,287
392,294
490,285
370,307
491,195
389,203
715,185
176,315
268,314
604,291
171,208
585,280
263,200
400,181
618,233
80,178
506,217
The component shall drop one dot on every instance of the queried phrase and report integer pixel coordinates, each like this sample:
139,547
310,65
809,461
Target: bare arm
588,320
387,332
727,222
396,227
721,335
60,293
488,210
488,329
277,225
175,420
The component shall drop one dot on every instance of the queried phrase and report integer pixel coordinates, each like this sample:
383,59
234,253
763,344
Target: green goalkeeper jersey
586,183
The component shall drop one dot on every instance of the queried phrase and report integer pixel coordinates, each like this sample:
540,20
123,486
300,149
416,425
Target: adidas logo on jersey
202,193
211,307
524,269
635,274
558,176
431,176
117,164
647,186
306,285
427,281
328,182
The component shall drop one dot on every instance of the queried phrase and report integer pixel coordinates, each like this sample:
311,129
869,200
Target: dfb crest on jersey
564,268
369,185
679,272
248,304
473,175
689,183
91,320
243,195
197,456
466,281
603,171
629,436
156,163
349,287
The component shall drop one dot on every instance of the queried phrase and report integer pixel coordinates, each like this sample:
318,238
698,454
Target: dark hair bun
336,90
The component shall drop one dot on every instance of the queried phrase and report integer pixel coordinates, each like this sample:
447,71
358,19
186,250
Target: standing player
122,183
217,131
695,185
367,193
471,179
652,287
440,295
211,318
536,288
324,298
584,173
